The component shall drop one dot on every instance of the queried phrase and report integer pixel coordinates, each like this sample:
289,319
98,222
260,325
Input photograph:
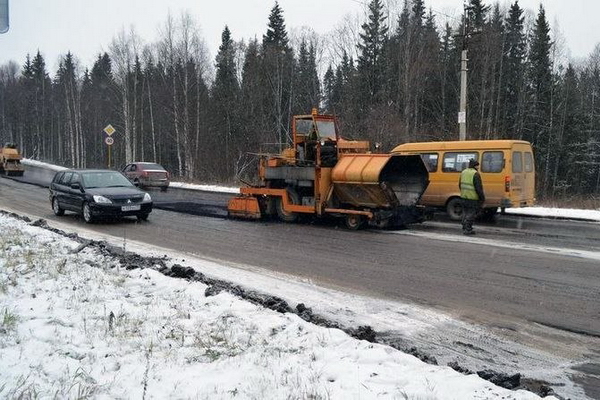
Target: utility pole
462,113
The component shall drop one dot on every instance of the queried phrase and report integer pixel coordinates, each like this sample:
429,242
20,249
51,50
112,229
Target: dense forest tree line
397,81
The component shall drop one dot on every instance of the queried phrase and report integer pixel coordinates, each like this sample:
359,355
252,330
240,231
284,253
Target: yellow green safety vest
467,188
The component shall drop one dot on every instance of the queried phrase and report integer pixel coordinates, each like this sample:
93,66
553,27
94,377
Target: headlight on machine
102,200
147,198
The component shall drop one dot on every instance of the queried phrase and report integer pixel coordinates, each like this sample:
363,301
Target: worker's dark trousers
470,210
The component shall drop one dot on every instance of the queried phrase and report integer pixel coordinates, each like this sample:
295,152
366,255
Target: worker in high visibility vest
471,194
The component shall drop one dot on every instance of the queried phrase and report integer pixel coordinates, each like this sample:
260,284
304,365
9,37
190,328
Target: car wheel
136,182
56,207
454,208
164,188
87,213
142,217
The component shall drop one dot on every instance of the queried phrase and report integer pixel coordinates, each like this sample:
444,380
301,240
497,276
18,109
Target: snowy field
77,324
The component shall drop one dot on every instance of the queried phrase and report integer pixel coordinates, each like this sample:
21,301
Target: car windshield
152,166
102,179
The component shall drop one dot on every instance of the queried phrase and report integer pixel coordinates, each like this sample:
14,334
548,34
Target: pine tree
278,63
307,91
276,33
27,105
448,86
540,85
225,93
371,62
570,138
329,89
68,102
255,119
513,73
100,100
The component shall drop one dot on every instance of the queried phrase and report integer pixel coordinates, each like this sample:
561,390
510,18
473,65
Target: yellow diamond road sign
109,129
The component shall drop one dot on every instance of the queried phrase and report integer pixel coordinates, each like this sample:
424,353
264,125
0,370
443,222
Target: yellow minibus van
507,171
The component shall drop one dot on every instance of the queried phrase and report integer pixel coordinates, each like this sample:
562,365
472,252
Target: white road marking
591,255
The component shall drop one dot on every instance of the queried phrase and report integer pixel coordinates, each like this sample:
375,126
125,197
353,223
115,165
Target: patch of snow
550,212
77,324
41,164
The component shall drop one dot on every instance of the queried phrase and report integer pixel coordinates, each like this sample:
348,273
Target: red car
147,174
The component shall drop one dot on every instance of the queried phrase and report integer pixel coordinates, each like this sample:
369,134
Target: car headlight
147,198
102,200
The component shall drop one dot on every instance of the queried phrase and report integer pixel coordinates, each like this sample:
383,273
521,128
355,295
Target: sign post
109,130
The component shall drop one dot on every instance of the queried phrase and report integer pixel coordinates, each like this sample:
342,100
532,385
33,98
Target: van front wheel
454,208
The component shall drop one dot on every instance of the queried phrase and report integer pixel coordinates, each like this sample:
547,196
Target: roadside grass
9,321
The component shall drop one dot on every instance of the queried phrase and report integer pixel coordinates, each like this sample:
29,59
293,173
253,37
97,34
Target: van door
517,181
528,193
492,168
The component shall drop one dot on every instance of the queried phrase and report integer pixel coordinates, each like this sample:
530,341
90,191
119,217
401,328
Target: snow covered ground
75,323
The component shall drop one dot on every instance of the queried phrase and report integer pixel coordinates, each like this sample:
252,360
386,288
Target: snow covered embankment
77,324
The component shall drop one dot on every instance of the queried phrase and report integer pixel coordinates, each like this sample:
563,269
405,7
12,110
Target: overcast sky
87,27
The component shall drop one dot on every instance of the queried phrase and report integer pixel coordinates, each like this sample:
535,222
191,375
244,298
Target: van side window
456,162
517,162
528,162
492,161
430,160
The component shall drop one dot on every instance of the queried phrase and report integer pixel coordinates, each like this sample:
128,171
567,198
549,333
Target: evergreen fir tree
371,63
307,87
328,90
278,63
225,93
276,33
538,128
513,72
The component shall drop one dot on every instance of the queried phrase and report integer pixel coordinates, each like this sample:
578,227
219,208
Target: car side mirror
75,186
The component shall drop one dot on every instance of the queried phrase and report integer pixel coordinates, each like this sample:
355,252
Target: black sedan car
96,193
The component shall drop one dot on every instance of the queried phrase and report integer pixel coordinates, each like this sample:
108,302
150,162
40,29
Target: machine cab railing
315,139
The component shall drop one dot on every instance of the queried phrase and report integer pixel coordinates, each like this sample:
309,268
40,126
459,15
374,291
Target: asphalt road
516,272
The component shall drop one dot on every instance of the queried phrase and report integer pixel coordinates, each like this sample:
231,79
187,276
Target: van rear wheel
454,208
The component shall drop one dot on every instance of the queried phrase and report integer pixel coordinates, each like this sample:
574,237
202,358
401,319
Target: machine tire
58,211
454,208
281,213
142,217
87,213
354,222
